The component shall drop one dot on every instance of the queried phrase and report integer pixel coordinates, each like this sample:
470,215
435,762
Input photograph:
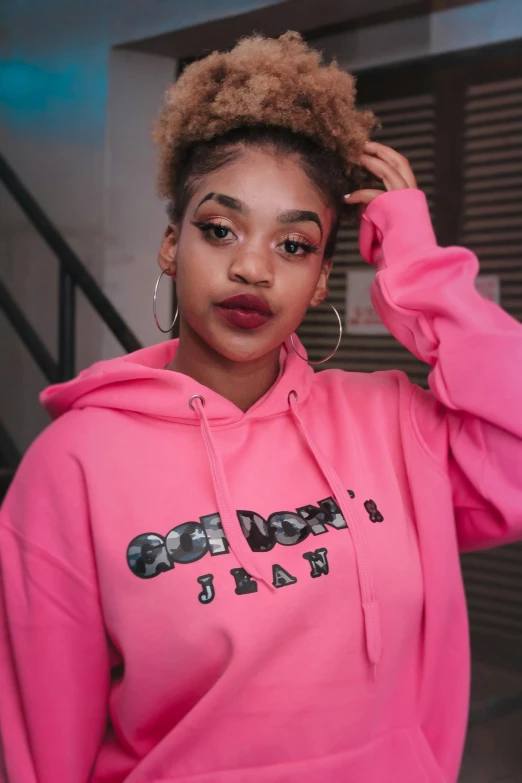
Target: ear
167,256
321,289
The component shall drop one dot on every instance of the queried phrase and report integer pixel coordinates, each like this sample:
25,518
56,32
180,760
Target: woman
218,566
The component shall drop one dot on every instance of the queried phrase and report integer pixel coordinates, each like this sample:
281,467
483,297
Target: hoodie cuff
396,227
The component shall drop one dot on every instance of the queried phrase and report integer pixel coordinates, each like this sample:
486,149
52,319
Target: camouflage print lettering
318,562
187,543
327,513
150,554
208,593
257,532
215,534
244,582
147,556
289,529
373,512
281,577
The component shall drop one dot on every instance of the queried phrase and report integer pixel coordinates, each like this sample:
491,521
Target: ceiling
307,16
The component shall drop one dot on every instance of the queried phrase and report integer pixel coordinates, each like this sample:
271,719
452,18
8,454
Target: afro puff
262,82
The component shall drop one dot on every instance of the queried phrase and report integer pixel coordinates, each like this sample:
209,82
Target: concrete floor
493,751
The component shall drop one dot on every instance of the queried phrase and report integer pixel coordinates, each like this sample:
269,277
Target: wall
134,217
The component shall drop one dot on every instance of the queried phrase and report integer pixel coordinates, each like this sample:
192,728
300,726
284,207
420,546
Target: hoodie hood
139,383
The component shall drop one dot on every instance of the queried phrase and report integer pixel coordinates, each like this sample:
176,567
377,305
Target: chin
242,351
244,347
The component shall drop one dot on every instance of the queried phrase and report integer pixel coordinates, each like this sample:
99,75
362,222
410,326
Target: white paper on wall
362,318
488,286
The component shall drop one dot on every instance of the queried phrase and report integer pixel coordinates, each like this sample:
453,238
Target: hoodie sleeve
54,658
471,421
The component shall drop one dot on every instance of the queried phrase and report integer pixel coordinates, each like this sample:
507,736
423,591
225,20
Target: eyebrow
225,201
300,216
290,216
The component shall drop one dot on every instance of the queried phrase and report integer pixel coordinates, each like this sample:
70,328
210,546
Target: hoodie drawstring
233,532
372,623
239,545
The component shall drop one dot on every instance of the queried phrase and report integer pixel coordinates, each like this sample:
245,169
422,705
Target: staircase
73,275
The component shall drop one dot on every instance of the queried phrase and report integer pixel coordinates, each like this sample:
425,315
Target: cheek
294,298
299,282
197,277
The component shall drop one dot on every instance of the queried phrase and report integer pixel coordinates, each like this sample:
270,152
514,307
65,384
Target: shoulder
388,399
45,514
52,465
79,434
60,440
390,387
387,402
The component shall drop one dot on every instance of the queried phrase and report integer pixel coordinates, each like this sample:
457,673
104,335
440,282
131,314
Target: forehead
265,180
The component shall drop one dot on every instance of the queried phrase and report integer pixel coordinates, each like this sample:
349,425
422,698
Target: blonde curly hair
262,82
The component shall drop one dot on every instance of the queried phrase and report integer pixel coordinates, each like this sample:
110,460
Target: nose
253,266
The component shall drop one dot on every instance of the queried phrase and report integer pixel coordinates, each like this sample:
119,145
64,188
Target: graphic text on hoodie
151,554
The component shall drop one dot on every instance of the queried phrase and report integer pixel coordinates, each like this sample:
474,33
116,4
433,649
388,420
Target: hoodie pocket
403,755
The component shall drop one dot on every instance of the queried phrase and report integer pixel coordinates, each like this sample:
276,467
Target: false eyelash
208,225
308,248
304,245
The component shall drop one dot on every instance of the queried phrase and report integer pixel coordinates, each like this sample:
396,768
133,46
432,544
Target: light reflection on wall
60,97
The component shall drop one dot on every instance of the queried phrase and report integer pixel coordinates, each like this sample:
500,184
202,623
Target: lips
245,311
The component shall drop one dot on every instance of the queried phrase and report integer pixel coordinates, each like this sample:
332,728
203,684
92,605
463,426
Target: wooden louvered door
492,197
491,225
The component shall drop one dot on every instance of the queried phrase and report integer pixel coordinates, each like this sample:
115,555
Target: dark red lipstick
245,311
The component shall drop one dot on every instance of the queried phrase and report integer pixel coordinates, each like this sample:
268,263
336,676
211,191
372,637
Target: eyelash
207,227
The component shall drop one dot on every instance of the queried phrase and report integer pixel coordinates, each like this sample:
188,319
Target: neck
243,383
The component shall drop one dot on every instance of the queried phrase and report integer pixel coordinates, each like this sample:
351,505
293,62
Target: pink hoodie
271,596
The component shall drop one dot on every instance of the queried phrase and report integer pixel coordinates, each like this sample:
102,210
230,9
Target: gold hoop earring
330,356
171,327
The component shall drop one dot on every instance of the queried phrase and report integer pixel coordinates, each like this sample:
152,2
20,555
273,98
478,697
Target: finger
363,196
395,159
391,178
384,152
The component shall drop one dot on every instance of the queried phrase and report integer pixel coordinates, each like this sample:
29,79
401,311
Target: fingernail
347,196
